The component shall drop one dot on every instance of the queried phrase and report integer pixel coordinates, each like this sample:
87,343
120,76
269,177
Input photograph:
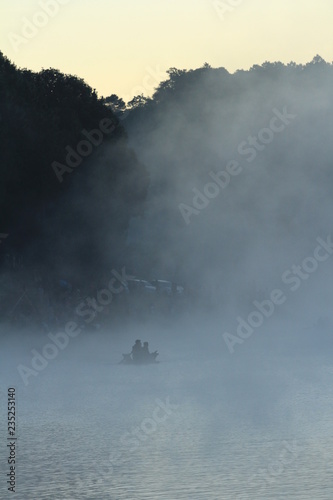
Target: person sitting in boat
145,349
146,354
137,350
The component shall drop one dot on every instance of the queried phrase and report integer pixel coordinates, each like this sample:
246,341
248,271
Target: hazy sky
125,46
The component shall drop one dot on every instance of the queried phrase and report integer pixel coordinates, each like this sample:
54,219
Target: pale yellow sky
125,46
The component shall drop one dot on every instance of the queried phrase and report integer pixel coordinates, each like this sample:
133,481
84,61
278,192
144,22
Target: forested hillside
241,172
69,182
200,184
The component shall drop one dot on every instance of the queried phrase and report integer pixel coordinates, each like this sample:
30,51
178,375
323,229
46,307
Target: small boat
146,359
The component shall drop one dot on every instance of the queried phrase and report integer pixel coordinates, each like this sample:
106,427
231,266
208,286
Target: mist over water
254,424
269,215
244,418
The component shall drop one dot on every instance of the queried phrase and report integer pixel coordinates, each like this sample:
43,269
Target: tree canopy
50,118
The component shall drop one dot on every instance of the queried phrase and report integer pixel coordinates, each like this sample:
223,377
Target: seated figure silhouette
145,350
140,354
148,355
137,351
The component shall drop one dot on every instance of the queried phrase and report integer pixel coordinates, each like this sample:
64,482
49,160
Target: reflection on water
112,433
70,466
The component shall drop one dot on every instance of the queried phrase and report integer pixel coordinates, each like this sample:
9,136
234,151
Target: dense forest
89,184
274,123
69,181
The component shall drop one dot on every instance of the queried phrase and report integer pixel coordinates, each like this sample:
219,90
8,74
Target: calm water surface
91,429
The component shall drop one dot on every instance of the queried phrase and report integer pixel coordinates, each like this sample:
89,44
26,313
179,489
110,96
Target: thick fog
238,213
236,238
254,422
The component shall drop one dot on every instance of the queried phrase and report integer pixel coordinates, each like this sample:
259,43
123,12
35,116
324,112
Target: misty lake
166,178
200,425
